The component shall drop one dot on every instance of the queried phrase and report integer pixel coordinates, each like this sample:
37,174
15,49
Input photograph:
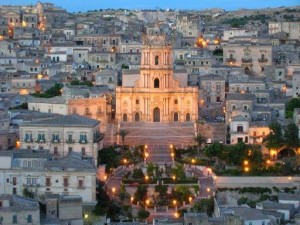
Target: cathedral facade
156,94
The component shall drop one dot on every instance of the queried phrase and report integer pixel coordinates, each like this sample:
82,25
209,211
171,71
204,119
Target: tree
291,105
137,173
199,140
204,205
291,138
143,214
236,153
214,150
274,138
141,193
151,169
123,133
178,171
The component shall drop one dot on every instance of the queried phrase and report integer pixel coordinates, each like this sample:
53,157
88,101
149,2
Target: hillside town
163,117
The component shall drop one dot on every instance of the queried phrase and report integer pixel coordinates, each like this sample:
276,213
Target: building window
262,69
14,191
137,101
233,107
175,117
70,149
55,137
175,101
82,151
124,117
156,83
14,219
245,107
240,129
218,87
80,183
66,182
14,181
83,138
70,138
208,99
48,181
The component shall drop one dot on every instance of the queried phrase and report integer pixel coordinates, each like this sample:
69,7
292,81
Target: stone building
188,24
39,175
291,28
156,96
18,210
253,57
212,89
63,135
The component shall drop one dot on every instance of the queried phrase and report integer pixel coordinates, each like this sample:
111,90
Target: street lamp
174,178
190,199
147,203
193,161
246,162
146,156
131,199
146,177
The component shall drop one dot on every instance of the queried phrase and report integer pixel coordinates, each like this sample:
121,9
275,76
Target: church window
137,101
156,60
124,117
175,101
156,83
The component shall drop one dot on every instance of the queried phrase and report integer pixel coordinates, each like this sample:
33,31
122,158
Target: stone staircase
160,134
159,154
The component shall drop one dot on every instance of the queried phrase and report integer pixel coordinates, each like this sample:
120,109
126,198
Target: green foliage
274,138
204,206
141,193
162,198
124,66
151,168
241,22
214,150
27,193
242,201
181,193
51,92
236,154
22,106
143,214
199,141
77,82
123,194
218,52
123,133
137,173
178,171
291,138
109,157
291,105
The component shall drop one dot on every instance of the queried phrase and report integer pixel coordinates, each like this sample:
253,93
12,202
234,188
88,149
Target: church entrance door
156,115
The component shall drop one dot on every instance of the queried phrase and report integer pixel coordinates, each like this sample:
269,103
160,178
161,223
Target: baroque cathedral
157,94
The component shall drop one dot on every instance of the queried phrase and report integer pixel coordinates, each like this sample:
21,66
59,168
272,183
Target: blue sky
84,5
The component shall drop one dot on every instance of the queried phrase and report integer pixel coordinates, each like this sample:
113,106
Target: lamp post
145,157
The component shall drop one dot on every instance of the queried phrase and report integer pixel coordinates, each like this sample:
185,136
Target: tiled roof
240,97
250,214
72,162
73,120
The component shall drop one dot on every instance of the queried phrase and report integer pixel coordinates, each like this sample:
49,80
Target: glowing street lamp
246,169
190,199
193,161
113,190
146,177
176,215
131,199
175,202
246,162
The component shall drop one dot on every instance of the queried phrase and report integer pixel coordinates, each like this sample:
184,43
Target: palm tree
199,140
123,133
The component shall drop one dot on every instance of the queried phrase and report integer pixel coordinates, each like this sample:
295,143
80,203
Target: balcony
262,60
41,141
28,140
70,141
55,141
246,61
231,60
82,142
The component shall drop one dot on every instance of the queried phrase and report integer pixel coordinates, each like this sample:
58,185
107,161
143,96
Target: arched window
262,56
175,101
124,117
176,117
240,129
114,41
246,139
137,101
156,83
137,117
156,60
188,117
